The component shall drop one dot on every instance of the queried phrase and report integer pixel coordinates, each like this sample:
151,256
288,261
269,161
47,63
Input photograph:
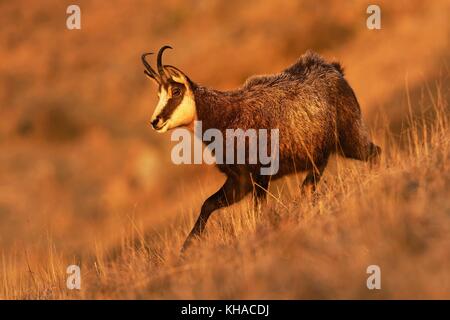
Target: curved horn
159,63
149,70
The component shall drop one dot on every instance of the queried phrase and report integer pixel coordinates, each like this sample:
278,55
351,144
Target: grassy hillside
84,180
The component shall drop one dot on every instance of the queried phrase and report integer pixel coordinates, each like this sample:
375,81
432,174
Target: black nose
155,122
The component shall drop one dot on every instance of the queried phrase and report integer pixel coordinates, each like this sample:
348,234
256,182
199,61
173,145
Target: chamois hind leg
233,190
368,152
354,142
309,185
361,148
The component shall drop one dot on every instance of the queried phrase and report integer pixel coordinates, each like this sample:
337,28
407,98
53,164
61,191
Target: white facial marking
183,115
163,98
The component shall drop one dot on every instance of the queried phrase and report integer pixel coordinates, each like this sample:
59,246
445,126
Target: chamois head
176,105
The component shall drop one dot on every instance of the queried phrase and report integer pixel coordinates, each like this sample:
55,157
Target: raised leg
354,142
232,191
368,152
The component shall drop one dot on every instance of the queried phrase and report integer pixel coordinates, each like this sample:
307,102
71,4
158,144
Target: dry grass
84,181
396,215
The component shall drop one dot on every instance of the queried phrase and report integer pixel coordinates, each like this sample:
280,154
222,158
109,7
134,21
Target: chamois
310,103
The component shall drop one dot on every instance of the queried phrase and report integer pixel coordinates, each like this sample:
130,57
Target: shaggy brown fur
315,110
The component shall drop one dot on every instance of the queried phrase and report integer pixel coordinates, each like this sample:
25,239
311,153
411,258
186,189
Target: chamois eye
176,92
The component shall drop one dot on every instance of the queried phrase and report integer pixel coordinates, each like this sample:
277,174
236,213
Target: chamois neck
216,109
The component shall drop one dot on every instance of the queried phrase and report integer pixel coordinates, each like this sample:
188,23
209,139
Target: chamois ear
176,74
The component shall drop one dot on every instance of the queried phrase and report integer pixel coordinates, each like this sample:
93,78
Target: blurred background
77,154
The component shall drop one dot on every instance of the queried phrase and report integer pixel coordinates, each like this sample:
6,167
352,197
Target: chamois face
176,105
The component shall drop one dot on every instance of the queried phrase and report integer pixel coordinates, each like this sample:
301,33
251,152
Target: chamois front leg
232,191
312,179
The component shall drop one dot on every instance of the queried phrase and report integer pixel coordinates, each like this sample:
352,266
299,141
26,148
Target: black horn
150,72
159,63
